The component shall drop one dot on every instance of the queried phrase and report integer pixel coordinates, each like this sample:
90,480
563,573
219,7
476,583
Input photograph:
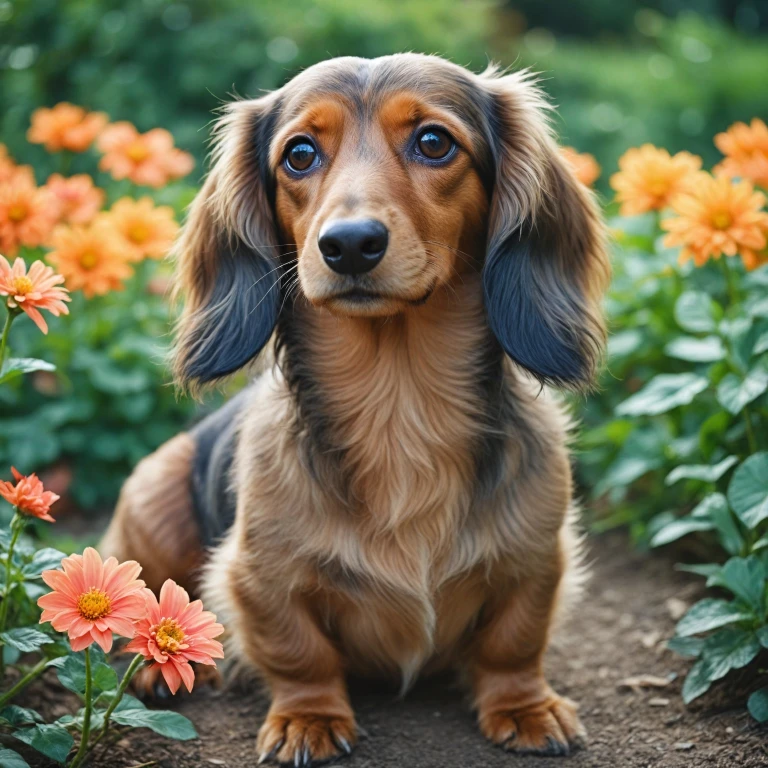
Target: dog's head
369,185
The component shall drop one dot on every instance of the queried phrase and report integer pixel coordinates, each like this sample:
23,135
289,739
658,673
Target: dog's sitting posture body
392,495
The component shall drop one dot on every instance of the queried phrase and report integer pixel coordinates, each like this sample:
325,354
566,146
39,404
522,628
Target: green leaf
10,759
727,529
679,528
761,345
44,560
695,350
762,635
663,393
17,716
172,725
72,671
54,742
733,392
726,650
104,677
686,646
757,704
703,569
696,312
761,543
709,473
26,639
710,613
748,490
18,366
745,577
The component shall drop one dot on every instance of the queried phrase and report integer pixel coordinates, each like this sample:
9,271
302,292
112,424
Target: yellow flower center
722,220
89,260
138,233
94,604
17,212
168,635
22,285
658,187
137,152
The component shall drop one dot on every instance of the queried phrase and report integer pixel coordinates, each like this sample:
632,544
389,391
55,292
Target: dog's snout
351,247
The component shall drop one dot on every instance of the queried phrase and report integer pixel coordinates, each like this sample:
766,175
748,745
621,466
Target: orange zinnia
174,632
90,258
147,231
649,178
78,198
27,213
147,158
91,599
65,127
28,495
584,165
716,216
746,152
40,288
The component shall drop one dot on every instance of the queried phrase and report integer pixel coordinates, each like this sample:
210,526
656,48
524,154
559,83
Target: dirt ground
616,634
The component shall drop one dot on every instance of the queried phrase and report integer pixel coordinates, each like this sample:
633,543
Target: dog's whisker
272,271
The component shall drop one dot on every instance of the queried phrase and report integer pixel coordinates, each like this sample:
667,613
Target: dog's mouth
363,298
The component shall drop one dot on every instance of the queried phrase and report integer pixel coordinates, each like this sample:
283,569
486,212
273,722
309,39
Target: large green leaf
54,742
710,613
44,560
733,392
745,577
757,704
708,473
728,649
679,528
72,670
707,350
748,490
17,366
663,393
686,646
169,724
10,759
16,716
697,312
25,639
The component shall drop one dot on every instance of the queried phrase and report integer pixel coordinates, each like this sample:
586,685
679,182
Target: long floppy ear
546,267
226,257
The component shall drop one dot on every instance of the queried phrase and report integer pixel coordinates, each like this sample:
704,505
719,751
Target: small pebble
658,701
683,746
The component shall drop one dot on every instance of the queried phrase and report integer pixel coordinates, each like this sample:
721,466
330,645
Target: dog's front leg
516,707
310,718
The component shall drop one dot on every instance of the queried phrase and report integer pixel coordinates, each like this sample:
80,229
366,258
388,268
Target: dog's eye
301,156
434,144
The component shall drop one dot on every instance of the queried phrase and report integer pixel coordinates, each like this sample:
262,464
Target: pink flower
29,496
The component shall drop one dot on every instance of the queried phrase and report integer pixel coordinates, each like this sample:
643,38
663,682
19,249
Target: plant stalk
6,330
751,439
33,673
16,525
86,734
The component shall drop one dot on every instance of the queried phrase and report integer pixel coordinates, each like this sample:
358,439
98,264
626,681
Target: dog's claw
307,757
262,758
344,744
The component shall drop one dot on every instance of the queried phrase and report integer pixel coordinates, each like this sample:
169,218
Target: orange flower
28,496
65,127
746,151
27,213
90,258
34,290
91,599
649,178
584,165
79,199
716,216
174,632
145,158
146,230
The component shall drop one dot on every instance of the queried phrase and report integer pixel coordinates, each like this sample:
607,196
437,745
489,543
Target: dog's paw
305,739
148,683
552,728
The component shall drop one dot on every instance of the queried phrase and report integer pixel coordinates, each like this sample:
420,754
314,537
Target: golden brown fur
403,488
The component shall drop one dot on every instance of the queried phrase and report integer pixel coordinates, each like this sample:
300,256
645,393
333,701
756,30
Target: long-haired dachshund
392,495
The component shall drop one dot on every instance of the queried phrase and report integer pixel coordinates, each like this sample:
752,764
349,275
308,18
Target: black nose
353,247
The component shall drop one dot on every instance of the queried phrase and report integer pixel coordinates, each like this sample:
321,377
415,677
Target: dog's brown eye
301,156
434,143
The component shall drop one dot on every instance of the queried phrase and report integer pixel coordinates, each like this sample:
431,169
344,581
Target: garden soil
609,656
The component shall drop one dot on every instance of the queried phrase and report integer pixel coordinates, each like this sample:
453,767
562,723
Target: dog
392,495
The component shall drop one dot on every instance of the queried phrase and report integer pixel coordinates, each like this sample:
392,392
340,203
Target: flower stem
6,330
751,441
16,525
33,673
86,734
733,294
129,673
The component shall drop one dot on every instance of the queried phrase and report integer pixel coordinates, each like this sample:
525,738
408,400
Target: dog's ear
546,266
226,257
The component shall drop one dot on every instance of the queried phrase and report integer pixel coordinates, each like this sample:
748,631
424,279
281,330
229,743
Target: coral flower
28,495
147,158
78,198
175,632
91,259
715,217
27,213
40,288
147,231
65,127
746,152
649,178
584,165
91,599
